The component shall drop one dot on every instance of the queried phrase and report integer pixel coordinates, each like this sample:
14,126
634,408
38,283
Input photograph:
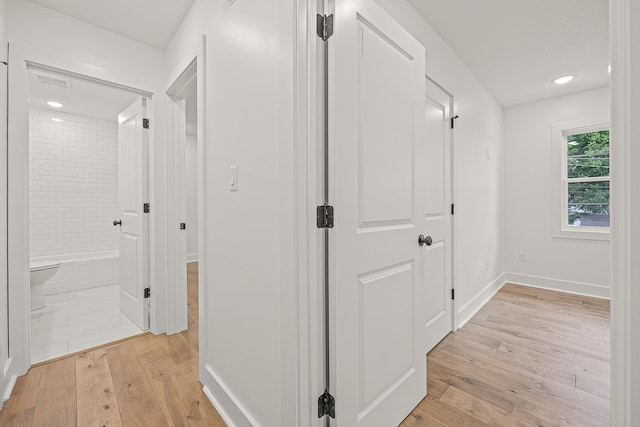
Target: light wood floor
529,358
143,381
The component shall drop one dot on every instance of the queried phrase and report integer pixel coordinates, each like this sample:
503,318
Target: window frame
560,209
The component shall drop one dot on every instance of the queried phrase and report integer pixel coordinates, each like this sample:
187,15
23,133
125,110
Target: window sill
583,233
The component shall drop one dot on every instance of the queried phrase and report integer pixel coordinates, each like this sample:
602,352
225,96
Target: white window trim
560,182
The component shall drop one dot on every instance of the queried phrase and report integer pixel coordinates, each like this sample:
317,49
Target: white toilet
40,272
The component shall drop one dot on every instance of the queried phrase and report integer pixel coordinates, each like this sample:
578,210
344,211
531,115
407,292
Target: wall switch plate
233,178
523,257
487,153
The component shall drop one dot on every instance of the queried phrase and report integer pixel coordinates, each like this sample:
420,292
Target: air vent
65,84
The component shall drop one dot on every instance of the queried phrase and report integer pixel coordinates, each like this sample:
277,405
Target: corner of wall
468,310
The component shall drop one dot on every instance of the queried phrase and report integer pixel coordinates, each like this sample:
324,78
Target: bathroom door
133,149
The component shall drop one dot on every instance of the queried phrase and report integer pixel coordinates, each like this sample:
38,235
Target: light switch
488,153
233,179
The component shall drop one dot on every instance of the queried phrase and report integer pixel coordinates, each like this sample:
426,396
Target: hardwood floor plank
499,397
503,360
151,348
544,415
529,357
447,415
24,396
136,399
481,410
57,396
146,380
97,402
419,419
179,349
22,418
182,402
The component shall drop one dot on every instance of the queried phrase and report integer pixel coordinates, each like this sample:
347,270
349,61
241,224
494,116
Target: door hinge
326,405
325,26
453,293
452,209
145,123
146,208
147,292
324,216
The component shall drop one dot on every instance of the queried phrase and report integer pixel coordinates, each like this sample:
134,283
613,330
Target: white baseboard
8,389
192,258
586,289
467,311
228,406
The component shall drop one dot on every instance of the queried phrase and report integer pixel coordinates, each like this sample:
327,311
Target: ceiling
514,47
517,47
153,22
81,97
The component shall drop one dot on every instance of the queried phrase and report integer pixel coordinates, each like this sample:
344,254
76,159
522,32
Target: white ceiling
80,97
153,22
516,47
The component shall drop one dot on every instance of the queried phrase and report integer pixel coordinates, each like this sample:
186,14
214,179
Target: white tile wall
73,183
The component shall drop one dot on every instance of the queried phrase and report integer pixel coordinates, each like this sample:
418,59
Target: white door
133,143
438,213
377,134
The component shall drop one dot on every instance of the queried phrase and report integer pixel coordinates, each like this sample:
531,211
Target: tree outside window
587,178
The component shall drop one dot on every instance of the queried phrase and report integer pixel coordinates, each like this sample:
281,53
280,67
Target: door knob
424,240
117,222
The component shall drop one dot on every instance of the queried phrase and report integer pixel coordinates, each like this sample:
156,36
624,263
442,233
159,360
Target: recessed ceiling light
564,79
55,119
55,104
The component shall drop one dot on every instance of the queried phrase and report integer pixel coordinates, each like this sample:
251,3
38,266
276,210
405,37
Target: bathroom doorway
186,142
75,213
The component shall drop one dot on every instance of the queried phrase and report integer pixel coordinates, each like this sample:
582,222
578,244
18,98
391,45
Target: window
581,161
587,178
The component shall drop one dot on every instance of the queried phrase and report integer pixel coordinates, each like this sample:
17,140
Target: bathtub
82,271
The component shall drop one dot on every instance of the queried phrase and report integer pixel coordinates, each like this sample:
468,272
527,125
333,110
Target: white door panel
133,188
377,131
437,222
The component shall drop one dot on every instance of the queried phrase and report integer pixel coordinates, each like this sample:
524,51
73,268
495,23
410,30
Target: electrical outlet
523,257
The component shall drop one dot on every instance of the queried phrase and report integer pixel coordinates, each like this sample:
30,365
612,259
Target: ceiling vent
64,84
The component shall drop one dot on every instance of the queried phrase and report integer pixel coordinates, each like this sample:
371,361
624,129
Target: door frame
452,242
308,193
20,59
191,70
625,343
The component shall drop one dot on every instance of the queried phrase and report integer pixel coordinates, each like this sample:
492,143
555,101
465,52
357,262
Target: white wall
47,37
73,183
5,383
478,182
246,273
245,104
192,197
567,264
